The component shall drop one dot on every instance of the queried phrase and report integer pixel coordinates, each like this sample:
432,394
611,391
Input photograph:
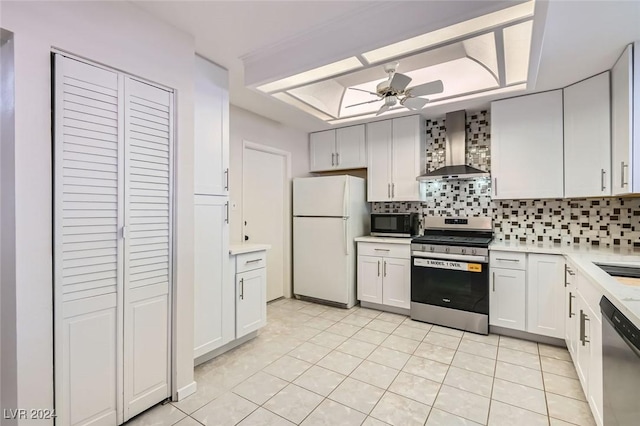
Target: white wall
122,36
247,126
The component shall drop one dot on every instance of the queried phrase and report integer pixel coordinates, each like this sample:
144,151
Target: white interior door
266,211
320,258
147,248
87,244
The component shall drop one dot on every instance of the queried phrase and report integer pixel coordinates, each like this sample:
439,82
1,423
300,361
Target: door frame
287,220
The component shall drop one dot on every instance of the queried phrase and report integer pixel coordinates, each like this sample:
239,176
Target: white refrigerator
328,213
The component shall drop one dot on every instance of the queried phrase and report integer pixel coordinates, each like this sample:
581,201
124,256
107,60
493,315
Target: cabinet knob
246,238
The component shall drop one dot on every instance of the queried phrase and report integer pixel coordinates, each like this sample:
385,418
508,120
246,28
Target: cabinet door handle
384,268
571,296
393,190
252,261
388,190
242,288
495,186
602,175
337,158
333,156
378,268
507,260
494,281
565,275
622,166
226,179
381,249
226,206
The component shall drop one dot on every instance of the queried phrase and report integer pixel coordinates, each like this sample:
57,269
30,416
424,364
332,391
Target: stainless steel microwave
394,224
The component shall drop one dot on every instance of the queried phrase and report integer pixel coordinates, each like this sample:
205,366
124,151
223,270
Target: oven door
451,281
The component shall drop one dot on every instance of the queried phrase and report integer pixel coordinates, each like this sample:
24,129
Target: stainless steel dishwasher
620,367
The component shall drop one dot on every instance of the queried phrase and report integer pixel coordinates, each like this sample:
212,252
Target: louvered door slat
148,126
87,264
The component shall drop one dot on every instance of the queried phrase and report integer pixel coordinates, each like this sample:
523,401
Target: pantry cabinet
384,274
339,149
396,156
625,125
527,147
587,138
213,301
211,129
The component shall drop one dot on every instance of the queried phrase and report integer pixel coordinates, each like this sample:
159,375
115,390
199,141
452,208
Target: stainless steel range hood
455,152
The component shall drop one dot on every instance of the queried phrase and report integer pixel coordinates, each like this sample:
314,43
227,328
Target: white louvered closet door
147,245
87,248
112,244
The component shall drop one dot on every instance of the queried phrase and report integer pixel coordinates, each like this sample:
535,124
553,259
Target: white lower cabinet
570,330
251,292
383,279
507,298
584,340
545,295
527,293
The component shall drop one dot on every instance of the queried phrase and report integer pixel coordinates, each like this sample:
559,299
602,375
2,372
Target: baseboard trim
503,331
385,308
186,391
222,349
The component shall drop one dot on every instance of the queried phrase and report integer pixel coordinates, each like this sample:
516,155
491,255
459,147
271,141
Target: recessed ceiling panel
517,43
302,106
324,95
450,33
483,50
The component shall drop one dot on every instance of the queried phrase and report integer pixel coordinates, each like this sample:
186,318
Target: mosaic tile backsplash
605,222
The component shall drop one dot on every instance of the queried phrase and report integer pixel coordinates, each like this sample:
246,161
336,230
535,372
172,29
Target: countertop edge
383,240
235,249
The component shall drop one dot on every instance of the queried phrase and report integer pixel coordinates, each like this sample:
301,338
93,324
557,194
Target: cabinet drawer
402,251
251,261
508,260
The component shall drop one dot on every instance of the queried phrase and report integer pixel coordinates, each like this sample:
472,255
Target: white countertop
626,298
386,240
247,248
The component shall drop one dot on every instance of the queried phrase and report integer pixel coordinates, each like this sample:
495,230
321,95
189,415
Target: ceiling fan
394,90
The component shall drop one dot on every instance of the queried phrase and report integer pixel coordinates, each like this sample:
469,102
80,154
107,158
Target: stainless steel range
450,273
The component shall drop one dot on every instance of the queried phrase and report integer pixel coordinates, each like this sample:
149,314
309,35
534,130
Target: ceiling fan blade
399,82
363,103
382,109
430,88
365,91
414,103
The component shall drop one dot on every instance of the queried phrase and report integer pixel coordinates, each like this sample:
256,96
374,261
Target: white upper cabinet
351,147
339,149
408,157
211,129
587,138
379,136
396,156
322,151
527,147
625,123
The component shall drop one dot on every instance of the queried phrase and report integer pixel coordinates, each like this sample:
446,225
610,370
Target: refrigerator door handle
345,228
345,198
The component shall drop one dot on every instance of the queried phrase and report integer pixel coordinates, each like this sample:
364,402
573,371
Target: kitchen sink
627,275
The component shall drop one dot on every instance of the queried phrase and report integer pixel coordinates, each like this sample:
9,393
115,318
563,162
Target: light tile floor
318,365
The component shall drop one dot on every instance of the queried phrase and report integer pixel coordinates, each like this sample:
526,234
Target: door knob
246,238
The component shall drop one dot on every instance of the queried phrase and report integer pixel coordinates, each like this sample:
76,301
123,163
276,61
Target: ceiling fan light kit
395,89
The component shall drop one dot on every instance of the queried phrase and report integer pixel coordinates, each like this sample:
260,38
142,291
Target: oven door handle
460,257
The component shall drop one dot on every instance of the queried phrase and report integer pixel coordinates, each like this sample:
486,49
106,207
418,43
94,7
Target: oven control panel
432,248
